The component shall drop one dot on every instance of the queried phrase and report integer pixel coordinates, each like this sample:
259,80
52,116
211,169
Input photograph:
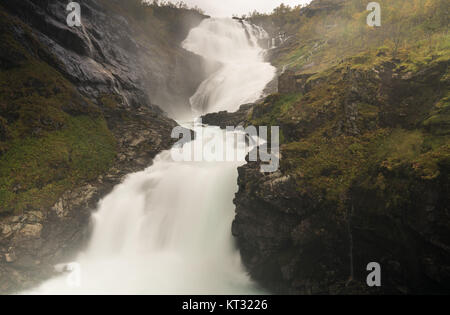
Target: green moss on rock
51,137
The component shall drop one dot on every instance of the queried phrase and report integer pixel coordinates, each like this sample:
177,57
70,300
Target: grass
51,137
275,107
34,172
324,38
410,148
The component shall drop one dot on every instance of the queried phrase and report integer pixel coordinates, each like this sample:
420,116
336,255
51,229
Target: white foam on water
167,230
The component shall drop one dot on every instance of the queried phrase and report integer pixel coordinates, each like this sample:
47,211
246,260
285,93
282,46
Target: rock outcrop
290,82
364,178
108,76
225,119
33,242
110,54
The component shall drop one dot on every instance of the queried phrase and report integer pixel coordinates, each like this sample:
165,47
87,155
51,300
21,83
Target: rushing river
167,229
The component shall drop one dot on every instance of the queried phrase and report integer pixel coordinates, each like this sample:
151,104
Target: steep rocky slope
78,111
118,51
365,160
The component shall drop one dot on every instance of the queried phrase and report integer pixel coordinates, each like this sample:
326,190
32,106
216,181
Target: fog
221,8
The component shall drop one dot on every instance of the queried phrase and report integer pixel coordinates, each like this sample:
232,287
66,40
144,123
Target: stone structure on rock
290,82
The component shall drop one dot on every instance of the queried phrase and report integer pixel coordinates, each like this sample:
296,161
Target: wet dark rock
295,238
293,243
32,243
121,76
107,55
225,119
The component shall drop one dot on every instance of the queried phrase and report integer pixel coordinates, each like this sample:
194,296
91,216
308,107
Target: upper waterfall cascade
242,75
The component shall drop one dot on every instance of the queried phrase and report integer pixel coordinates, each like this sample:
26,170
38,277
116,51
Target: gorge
145,241
88,182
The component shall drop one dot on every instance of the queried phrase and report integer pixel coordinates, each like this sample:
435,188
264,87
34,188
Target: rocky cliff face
364,120
32,242
111,54
225,119
80,107
364,178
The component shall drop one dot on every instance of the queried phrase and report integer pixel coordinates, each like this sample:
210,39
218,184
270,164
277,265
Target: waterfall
242,74
167,229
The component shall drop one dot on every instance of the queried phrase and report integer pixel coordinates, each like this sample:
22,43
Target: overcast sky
226,8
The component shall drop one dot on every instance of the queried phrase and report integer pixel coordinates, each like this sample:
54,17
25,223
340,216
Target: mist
220,8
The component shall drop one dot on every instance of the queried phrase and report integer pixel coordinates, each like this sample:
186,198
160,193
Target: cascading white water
242,74
167,230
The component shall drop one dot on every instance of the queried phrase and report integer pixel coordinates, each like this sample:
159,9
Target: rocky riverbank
33,242
225,119
80,108
362,179
365,164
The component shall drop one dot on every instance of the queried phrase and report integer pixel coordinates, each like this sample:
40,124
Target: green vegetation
51,138
327,31
274,108
35,171
375,114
